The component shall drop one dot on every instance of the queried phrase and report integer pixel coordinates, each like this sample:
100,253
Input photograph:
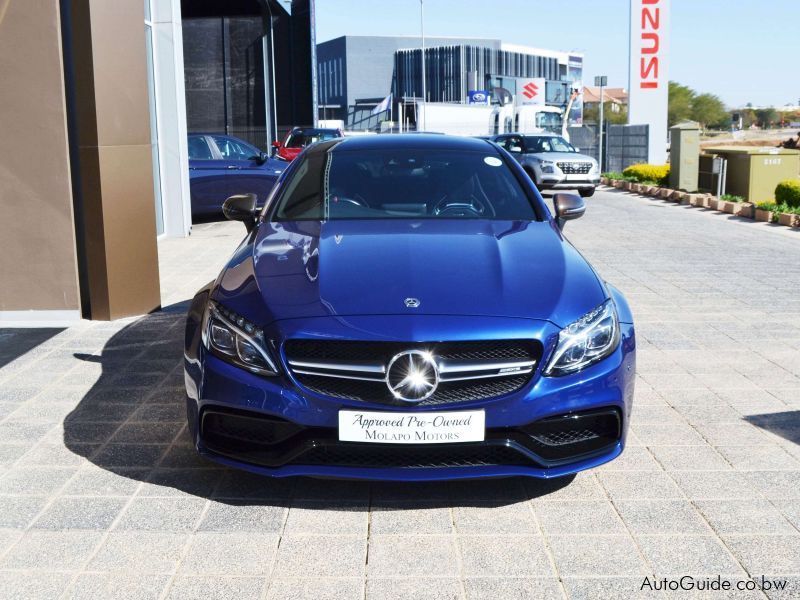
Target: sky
741,50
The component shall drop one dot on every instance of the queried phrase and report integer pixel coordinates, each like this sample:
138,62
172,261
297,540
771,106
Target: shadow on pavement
785,424
132,423
16,342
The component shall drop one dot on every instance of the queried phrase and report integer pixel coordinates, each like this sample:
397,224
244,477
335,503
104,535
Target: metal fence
626,145
586,138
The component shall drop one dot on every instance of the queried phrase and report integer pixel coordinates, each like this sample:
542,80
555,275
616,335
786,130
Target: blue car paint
212,181
360,273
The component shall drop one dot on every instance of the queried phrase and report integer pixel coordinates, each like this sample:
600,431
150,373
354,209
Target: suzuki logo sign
648,87
533,91
530,91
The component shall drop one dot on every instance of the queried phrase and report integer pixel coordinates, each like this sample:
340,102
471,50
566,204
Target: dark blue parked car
406,307
222,165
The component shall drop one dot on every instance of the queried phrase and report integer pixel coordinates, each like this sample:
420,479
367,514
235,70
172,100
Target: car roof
543,134
414,141
315,130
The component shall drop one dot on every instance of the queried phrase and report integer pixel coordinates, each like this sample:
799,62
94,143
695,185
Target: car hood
451,267
560,156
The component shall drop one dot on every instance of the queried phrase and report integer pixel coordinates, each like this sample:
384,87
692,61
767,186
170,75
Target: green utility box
684,156
753,173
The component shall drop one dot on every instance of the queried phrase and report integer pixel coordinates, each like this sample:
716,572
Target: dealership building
356,72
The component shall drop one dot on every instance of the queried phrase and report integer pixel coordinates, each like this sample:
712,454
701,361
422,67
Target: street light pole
601,81
422,34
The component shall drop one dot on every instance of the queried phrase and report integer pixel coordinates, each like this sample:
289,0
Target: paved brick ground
102,497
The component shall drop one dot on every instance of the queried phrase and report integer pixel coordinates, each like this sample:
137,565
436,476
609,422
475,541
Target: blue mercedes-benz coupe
407,308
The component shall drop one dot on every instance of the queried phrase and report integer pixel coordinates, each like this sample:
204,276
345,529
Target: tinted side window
198,148
233,150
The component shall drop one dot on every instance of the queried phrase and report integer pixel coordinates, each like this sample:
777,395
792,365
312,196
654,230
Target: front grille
412,457
469,371
575,168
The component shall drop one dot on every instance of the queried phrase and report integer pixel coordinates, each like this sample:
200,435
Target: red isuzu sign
648,83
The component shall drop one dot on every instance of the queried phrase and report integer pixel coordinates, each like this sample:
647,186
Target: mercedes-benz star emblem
412,302
412,376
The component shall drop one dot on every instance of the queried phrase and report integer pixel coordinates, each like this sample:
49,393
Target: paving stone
690,458
51,550
321,556
493,588
231,554
584,556
424,517
753,516
608,588
201,588
17,512
162,514
586,517
80,513
504,556
327,517
117,586
677,555
715,484
418,587
516,518
236,516
34,481
635,485
320,588
142,551
27,585
412,556
766,554
661,516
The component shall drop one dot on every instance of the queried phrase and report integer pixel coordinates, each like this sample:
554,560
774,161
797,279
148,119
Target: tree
709,111
591,113
680,103
767,117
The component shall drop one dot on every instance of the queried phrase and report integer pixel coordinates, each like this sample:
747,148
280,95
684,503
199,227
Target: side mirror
568,207
574,149
241,207
276,144
262,158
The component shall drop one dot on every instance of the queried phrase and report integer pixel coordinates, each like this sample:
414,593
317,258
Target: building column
170,94
38,264
115,210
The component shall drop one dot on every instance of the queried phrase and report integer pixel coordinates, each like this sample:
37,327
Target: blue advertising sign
478,96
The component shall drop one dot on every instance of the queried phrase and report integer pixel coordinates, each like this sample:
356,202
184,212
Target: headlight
235,340
589,339
546,166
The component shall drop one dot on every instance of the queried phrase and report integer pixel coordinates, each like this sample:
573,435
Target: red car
300,137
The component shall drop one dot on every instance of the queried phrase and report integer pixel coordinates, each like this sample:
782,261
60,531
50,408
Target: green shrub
613,175
788,192
731,198
651,174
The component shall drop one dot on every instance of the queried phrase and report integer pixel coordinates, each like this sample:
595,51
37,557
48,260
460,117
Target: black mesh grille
573,168
382,352
412,457
571,436
356,351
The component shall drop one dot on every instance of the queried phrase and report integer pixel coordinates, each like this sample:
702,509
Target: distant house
617,97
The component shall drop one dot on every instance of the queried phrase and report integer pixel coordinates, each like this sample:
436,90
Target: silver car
552,162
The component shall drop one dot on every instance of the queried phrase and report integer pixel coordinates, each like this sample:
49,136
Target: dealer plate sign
412,428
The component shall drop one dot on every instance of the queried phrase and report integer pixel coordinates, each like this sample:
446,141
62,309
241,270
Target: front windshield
403,184
301,139
549,121
547,143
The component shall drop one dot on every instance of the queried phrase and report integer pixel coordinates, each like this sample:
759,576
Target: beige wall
38,264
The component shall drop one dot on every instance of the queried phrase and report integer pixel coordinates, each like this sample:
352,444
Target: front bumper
307,439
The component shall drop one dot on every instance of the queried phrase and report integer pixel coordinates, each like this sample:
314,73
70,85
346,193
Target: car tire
586,192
